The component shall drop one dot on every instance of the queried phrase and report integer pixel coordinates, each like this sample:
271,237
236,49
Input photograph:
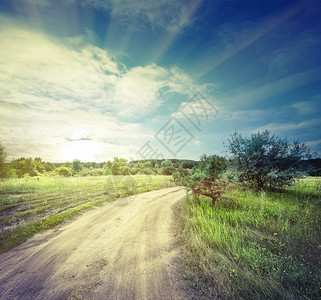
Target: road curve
122,250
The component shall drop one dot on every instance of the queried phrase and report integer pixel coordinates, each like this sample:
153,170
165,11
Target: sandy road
122,250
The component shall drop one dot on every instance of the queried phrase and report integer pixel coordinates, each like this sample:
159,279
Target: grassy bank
28,206
255,245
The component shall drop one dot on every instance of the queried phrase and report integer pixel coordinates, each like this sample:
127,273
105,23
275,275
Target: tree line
32,167
260,161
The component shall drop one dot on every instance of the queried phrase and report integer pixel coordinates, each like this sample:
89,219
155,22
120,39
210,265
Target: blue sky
94,79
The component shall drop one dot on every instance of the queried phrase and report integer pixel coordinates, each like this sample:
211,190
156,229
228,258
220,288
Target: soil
122,250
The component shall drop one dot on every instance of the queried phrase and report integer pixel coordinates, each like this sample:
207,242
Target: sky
95,79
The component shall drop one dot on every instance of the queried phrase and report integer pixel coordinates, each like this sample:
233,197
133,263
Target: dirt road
122,250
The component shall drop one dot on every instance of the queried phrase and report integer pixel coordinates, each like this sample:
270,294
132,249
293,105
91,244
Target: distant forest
262,158
31,167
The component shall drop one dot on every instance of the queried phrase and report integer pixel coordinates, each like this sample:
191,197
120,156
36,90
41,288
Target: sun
84,150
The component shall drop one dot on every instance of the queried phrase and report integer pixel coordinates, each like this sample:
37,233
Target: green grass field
250,246
255,245
31,205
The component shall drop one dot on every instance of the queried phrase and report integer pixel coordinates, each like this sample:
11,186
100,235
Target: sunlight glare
84,150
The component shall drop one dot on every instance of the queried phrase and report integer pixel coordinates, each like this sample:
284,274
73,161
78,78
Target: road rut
122,250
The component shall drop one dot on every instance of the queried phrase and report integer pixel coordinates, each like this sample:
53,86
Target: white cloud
53,134
139,90
32,64
140,86
313,143
41,3
54,93
172,16
288,127
246,115
306,107
253,94
163,14
87,75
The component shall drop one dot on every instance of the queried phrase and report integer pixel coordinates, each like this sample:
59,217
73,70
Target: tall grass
30,205
255,245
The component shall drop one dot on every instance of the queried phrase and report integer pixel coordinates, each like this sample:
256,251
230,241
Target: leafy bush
133,171
64,171
124,170
97,172
168,170
264,161
212,187
107,171
76,165
212,165
119,166
146,171
92,172
206,178
254,245
3,156
84,172
24,166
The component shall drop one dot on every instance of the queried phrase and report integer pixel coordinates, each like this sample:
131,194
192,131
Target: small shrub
107,171
212,187
64,171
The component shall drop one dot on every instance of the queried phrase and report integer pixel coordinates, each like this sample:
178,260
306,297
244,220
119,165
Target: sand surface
122,250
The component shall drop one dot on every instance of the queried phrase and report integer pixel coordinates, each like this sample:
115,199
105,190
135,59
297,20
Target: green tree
264,161
134,171
76,165
124,170
117,164
108,164
64,171
49,167
166,163
3,156
212,165
24,167
67,164
88,165
205,178
187,164
167,167
39,164
107,169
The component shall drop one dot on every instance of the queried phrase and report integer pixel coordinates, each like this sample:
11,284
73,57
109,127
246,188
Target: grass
255,245
28,206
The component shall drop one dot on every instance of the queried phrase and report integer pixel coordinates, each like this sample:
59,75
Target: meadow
30,205
254,245
250,245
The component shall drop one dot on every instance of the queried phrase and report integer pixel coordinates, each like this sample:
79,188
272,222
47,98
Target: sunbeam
122,71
